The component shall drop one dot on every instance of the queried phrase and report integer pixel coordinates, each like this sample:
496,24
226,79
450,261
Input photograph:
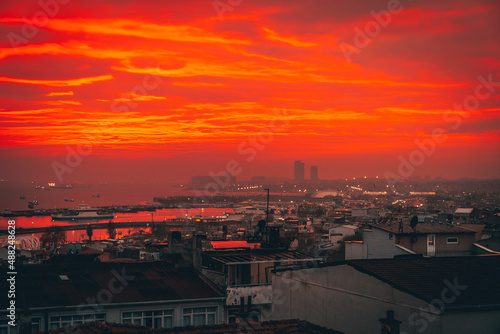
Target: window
5,328
74,320
199,316
452,240
153,319
36,325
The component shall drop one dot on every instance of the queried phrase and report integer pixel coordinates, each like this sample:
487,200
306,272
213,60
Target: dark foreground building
400,295
151,294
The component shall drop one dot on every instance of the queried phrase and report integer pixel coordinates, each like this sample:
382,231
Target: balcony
261,294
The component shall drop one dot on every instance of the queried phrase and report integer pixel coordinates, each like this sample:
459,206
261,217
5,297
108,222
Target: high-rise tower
299,171
314,174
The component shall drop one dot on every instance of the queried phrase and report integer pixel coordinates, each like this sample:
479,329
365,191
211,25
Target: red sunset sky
162,90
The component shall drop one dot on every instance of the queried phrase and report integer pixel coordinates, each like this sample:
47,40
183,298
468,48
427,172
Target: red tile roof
233,244
100,328
425,277
266,327
293,326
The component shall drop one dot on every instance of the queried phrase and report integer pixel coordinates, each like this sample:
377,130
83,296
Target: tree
53,236
111,230
90,232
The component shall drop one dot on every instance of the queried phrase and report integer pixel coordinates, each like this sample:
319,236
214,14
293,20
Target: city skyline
147,92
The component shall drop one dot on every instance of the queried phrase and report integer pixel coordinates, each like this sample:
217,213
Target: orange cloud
134,97
74,48
274,36
59,83
70,93
136,28
198,84
62,102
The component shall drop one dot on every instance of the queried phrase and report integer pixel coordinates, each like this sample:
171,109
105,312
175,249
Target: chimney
249,307
242,304
197,249
389,325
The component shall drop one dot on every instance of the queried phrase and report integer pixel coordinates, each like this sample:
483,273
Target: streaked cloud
70,93
274,36
58,82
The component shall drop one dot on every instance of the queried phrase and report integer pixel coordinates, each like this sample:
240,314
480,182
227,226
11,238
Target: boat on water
52,185
82,212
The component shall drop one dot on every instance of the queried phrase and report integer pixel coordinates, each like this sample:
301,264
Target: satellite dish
70,249
414,222
261,224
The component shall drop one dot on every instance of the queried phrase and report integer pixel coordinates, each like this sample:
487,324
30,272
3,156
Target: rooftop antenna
267,210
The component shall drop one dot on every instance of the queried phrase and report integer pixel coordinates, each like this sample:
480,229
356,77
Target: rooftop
265,327
227,244
491,243
464,210
424,228
260,256
143,282
425,277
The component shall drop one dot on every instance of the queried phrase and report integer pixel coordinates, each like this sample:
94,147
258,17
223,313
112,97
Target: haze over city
134,91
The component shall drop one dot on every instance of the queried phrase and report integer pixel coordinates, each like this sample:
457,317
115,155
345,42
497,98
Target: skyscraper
299,171
314,174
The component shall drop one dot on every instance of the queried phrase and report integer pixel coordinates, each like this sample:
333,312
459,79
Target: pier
81,226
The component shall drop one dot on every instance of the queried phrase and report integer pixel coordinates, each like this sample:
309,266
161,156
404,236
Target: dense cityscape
226,260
